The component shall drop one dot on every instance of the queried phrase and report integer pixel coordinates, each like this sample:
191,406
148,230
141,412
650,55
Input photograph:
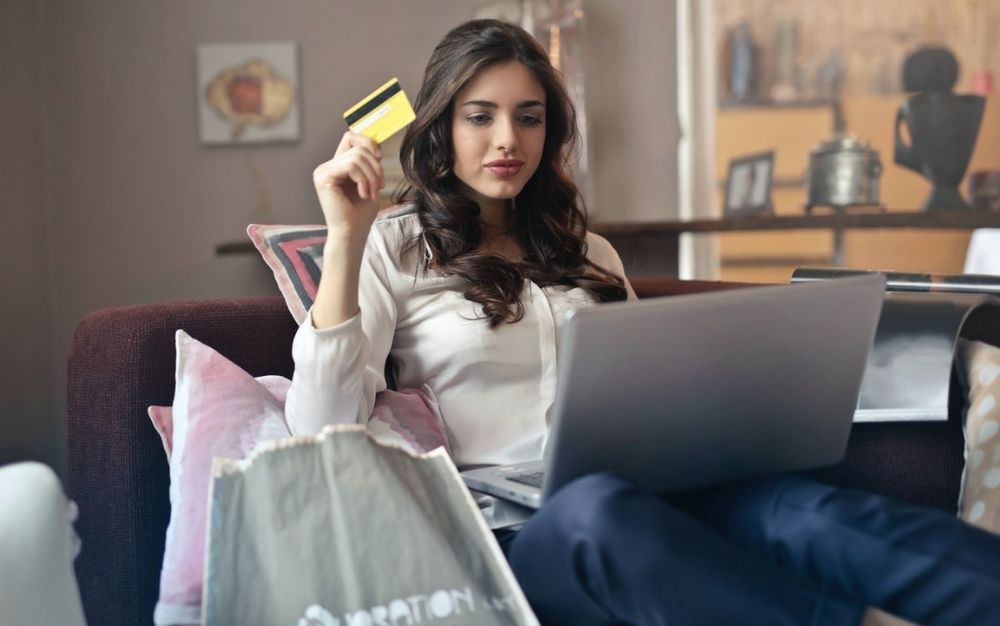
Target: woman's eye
530,120
479,119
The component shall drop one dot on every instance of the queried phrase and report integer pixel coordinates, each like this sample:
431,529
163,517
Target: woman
462,292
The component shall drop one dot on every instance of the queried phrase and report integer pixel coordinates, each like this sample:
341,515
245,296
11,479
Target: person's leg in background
920,564
37,547
603,551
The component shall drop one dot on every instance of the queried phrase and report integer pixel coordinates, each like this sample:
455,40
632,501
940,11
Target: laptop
690,391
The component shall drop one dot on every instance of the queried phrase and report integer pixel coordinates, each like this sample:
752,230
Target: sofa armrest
916,462
122,360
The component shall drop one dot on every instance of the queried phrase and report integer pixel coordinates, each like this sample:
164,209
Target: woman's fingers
375,163
356,140
366,171
348,184
365,185
356,164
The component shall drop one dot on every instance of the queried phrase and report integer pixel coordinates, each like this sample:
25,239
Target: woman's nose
505,135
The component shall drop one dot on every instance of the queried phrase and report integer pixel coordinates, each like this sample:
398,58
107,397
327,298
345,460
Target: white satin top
494,387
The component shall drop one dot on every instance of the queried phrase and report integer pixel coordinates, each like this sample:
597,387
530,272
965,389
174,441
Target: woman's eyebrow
493,105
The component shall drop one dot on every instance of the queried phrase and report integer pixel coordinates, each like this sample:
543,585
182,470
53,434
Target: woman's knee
587,505
747,508
553,555
31,492
581,513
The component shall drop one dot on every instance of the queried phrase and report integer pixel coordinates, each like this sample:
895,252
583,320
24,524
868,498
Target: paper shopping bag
339,530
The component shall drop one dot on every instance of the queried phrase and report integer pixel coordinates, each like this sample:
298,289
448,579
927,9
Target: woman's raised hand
348,186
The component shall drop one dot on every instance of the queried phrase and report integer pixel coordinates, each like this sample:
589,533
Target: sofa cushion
979,365
295,256
219,410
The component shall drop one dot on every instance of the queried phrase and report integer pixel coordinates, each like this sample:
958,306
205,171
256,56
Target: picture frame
748,184
248,93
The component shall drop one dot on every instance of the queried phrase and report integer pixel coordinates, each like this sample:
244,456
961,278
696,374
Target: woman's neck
495,217
498,223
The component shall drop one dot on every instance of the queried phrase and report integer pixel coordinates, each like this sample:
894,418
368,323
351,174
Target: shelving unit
792,132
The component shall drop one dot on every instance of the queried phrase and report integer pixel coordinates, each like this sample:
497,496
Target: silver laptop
690,391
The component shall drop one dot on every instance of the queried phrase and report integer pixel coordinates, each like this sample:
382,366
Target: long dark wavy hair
547,221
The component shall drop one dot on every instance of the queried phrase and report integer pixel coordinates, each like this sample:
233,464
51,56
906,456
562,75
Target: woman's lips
504,168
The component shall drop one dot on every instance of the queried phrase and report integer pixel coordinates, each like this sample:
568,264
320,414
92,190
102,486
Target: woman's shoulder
396,211
393,234
599,249
396,223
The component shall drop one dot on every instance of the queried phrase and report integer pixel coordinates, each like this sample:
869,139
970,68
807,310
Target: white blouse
494,387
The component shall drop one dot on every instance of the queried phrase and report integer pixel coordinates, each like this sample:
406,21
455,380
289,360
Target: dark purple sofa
122,360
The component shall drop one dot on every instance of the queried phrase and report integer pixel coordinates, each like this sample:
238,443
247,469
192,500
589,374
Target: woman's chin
494,190
504,190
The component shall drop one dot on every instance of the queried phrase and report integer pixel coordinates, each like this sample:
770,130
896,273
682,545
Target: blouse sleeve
338,370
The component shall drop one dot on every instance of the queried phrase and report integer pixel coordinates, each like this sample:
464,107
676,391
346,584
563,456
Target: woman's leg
603,551
920,564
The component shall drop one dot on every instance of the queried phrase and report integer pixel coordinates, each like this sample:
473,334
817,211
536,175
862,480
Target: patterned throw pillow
979,368
295,255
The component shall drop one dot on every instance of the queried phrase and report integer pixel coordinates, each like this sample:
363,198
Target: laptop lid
683,392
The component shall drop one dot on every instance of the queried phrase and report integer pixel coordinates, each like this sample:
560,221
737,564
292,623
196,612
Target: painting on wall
247,93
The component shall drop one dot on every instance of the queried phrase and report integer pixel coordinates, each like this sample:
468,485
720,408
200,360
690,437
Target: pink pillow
220,410
163,421
163,416
409,419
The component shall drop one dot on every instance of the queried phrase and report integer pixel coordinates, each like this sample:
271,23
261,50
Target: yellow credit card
384,112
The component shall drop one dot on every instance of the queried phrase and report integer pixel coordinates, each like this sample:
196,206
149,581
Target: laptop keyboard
532,479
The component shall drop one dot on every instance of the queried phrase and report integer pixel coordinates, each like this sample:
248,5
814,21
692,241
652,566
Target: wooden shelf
768,103
961,220
650,249
777,183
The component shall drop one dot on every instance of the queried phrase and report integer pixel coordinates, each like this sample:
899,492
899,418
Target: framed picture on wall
248,93
748,185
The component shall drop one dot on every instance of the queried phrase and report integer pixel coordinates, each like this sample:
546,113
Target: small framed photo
748,186
248,93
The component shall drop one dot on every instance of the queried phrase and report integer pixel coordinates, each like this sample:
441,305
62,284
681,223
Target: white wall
632,105
136,205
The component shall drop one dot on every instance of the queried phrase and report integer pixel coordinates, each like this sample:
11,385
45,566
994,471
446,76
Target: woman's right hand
348,186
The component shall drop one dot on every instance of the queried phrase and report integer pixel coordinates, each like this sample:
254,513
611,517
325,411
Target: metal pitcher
843,172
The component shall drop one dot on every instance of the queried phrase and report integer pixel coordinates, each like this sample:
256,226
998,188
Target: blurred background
115,194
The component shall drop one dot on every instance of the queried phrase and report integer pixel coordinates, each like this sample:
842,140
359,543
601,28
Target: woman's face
498,133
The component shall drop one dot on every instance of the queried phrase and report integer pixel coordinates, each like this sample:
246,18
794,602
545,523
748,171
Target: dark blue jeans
778,551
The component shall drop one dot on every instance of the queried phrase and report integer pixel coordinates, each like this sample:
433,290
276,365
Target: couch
121,361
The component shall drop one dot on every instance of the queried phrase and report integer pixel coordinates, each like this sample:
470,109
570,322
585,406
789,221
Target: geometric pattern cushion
295,255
